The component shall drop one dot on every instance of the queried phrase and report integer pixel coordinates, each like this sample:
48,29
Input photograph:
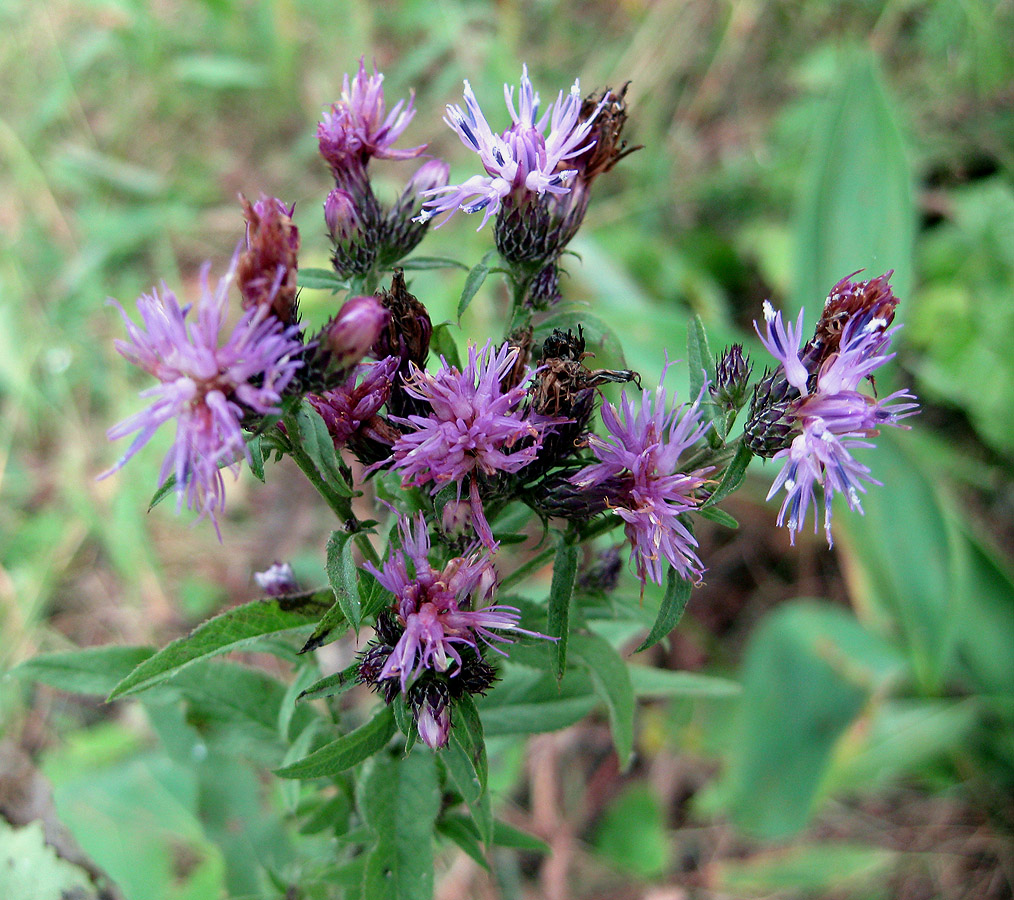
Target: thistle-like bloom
523,159
206,386
833,416
441,612
641,458
474,426
358,126
353,404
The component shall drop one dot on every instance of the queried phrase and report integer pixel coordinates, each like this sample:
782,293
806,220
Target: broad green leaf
674,602
93,670
807,673
651,682
561,591
612,683
347,751
419,263
474,281
321,280
856,210
732,478
534,718
316,441
232,630
331,685
400,800
442,343
333,620
342,574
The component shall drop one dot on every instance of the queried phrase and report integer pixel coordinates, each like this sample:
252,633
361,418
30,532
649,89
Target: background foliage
785,146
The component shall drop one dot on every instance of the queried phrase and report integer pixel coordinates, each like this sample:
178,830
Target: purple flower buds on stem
355,329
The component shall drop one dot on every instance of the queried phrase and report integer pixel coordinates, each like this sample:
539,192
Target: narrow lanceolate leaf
330,627
677,594
317,443
699,358
733,477
256,457
345,752
714,514
443,345
331,685
473,282
94,670
505,835
400,800
463,832
232,630
321,279
560,592
651,682
465,759
342,574
611,681
419,263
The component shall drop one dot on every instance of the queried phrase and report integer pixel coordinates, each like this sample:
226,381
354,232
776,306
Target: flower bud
340,215
456,517
400,232
429,699
355,329
732,377
355,244
277,580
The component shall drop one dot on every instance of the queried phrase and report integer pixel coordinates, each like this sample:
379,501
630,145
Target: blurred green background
871,751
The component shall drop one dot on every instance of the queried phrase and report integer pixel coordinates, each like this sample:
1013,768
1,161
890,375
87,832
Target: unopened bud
400,232
355,247
429,701
732,377
456,517
355,329
277,580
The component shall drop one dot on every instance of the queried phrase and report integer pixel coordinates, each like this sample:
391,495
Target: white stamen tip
769,311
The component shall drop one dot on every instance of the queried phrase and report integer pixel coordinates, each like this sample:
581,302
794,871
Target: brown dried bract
266,272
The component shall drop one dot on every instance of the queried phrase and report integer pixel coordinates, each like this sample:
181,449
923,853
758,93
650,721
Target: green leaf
93,670
419,263
442,343
719,516
321,280
256,457
474,281
316,441
462,831
632,833
220,73
505,835
560,593
699,358
232,630
674,602
857,210
30,869
347,751
331,685
342,574
465,759
400,800
535,718
648,681
324,633
611,681
166,488
732,478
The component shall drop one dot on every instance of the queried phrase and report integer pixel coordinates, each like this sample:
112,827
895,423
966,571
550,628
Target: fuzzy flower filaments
830,416
639,462
474,428
206,385
524,159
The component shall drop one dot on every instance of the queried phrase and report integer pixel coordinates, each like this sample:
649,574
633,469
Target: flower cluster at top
514,423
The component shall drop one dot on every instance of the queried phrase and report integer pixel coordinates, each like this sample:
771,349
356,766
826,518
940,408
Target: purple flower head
641,456
358,126
353,405
440,611
783,342
277,580
205,385
523,160
474,427
833,418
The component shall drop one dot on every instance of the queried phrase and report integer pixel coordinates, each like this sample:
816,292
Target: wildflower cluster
458,442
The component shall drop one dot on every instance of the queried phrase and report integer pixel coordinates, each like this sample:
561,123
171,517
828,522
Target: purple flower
355,329
277,580
524,159
831,418
205,385
440,611
642,455
351,406
359,127
474,427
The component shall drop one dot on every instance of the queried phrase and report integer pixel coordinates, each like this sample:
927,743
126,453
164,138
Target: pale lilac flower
833,418
783,343
358,126
523,159
641,456
440,611
475,427
277,580
354,403
207,386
